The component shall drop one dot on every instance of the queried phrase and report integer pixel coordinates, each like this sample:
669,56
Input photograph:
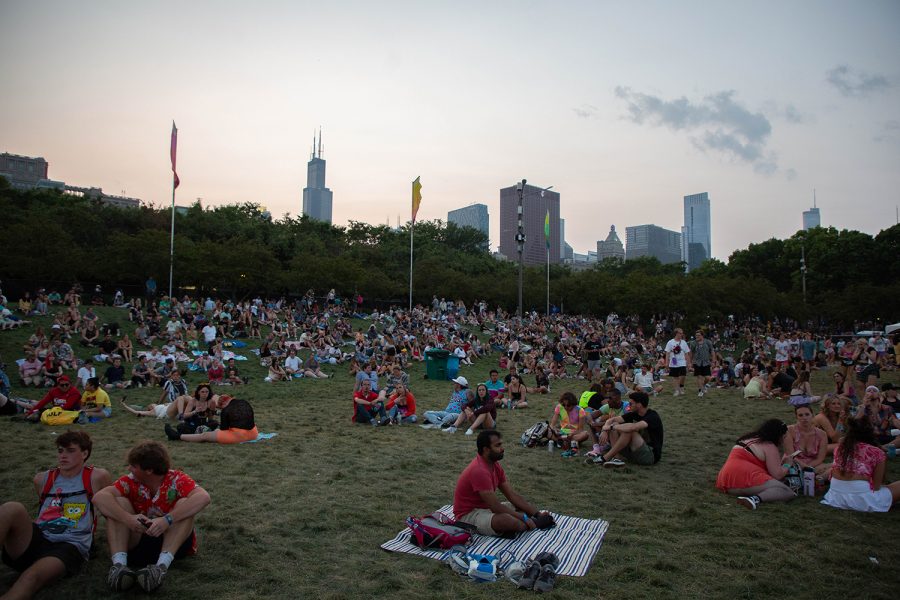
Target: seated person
292,364
232,378
115,375
643,382
51,371
756,466
367,405
809,440
58,542
475,499
90,335
397,377
596,419
567,426
435,419
95,403
276,371
726,377
216,372
479,412
311,368
30,371
637,435
880,417
755,385
495,387
857,474
108,348
64,395
173,388
542,382
832,419
516,393
401,406
149,518
237,425
140,373
801,391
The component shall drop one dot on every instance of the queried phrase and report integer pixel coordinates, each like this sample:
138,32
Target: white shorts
858,495
161,410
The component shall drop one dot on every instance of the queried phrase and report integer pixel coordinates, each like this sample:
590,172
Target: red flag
172,152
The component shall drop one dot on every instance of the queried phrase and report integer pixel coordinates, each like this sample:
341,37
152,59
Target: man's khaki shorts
481,519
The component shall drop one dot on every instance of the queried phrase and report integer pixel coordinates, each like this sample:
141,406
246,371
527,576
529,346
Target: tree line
238,250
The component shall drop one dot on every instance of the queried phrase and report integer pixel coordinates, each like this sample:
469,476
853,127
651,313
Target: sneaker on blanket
546,580
544,520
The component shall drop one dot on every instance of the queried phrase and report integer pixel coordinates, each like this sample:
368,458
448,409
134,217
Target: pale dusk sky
623,107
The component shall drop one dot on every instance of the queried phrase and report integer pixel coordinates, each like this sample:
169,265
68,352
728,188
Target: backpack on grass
438,531
535,434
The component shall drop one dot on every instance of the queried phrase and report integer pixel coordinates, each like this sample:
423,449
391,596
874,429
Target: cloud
890,132
585,111
852,82
717,123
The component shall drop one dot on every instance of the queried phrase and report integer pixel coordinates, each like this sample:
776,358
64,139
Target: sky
624,108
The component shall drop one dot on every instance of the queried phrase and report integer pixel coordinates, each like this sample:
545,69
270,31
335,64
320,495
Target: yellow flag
416,198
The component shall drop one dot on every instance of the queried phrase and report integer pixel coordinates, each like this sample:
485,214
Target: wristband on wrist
168,519
524,518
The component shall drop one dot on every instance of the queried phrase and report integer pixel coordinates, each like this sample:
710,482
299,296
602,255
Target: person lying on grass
475,499
58,542
637,435
149,518
237,425
755,467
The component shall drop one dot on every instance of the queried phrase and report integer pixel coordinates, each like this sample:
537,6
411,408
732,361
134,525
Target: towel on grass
574,540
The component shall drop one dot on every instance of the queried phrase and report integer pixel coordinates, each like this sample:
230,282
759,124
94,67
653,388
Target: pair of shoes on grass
149,578
540,573
600,461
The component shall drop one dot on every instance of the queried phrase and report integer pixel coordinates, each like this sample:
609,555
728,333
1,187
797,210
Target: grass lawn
303,515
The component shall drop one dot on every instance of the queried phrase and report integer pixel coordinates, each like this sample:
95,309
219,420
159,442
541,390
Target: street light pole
803,268
520,240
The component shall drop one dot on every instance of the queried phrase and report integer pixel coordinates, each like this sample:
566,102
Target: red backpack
438,531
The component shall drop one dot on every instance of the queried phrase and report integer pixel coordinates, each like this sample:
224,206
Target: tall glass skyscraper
696,238
316,197
475,216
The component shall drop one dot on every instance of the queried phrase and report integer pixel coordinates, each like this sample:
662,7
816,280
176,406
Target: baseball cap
63,379
461,381
872,388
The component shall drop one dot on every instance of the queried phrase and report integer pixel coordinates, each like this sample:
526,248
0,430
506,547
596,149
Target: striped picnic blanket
574,540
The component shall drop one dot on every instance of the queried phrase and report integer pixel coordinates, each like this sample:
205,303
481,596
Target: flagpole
547,237
172,244
412,225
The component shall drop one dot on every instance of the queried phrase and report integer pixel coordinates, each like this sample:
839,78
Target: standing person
58,541
591,351
475,499
702,353
756,466
678,354
150,517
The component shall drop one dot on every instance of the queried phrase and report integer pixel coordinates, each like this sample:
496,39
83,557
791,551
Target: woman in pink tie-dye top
858,472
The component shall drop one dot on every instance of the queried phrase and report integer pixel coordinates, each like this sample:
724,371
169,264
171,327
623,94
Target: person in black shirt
637,436
115,375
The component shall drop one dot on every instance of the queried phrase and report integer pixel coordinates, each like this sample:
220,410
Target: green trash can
436,364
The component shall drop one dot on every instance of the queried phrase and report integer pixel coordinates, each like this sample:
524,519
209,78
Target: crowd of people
620,363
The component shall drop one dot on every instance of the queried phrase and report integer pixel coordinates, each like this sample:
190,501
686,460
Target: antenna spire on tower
814,197
320,141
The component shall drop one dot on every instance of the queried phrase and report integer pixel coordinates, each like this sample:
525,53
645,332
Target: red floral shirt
175,486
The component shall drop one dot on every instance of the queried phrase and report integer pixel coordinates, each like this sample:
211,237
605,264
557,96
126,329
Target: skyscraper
652,240
316,197
475,216
611,247
535,204
811,217
696,239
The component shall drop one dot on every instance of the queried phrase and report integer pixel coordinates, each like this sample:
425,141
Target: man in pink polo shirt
475,500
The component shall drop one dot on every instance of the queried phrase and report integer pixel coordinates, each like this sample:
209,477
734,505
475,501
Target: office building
23,172
474,216
696,238
811,217
652,240
611,247
536,202
316,197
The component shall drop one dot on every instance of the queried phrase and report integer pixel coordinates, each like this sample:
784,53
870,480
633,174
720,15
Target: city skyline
615,107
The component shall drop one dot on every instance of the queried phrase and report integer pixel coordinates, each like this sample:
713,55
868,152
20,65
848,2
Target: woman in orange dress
755,467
